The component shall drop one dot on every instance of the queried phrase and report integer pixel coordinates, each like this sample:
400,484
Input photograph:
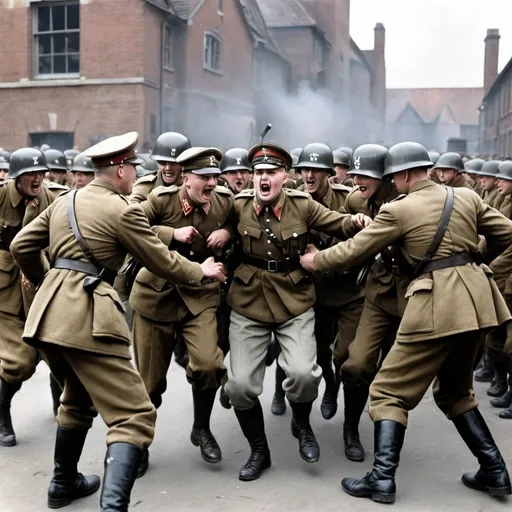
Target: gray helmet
505,170
45,147
55,160
82,163
369,160
450,161
295,156
346,150
4,164
434,156
6,154
149,166
169,146
26,160
474,166
236,159
316,156
490,168
406,156
341,158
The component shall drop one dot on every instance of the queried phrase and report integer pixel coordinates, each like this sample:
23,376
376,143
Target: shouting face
29,184
199,186
237,179
316,181
171,171
367,186
268,183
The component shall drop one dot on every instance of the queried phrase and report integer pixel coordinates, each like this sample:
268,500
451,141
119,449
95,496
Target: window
212,49
57,39
57,140
152,124
168,47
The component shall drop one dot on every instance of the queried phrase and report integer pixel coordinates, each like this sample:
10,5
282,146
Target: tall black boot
484,371
492,477
355,401
56,392
201,434
278,407
500,383
7,391
121,464
253,426
301,429
67,483
224,399
144,464
379,484
329,405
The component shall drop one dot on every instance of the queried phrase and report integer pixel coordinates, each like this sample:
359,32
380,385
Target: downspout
162,50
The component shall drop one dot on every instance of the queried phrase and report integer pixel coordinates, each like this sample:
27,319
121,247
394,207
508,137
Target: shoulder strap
441,231
76,231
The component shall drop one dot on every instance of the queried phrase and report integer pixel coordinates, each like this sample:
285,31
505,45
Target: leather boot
492,477
500,384
355,402
484,371
329,405
272,353
278,407
224,399
67,483
121,464
506,414
503,401
56,392
253,426
144,464
201,435
7,391
379,484
301,429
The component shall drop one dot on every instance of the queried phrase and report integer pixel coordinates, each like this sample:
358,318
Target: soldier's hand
308,259
361,220
186,235
218,238
213,270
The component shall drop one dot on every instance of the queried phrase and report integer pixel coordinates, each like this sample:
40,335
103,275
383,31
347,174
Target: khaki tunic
17,359
143,186
277,297
493,197
460,181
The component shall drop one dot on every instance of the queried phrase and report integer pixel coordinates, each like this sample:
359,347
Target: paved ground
178,479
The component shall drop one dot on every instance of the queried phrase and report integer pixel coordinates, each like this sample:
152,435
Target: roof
185,9
285,13
165,5
504,72
363,56
462,103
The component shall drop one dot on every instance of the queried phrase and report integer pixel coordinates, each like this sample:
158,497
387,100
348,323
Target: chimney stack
492,52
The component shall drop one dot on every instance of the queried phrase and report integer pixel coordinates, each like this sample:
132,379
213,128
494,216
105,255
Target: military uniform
432,344
270,294
89,352
18,360
453,161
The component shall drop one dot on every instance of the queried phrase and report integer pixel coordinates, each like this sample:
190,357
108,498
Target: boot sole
493,491
10,443
377,497
355,459
64,502
210,461
247,479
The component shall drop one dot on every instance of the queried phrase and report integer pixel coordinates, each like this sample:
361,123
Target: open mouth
207,192
265,188
169,175
310,183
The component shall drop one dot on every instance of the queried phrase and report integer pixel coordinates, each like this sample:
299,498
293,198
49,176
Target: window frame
218,40
170,48
36,34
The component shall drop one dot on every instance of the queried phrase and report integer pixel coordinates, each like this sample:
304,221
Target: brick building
496,108
217,70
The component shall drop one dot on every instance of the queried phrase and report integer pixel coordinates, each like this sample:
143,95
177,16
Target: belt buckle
272,265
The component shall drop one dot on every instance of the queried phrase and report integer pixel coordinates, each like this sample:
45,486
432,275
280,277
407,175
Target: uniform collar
103,183
188,206
276,206
326,200
420,185
459,181
14,194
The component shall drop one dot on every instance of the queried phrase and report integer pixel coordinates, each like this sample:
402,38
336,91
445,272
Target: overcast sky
434,43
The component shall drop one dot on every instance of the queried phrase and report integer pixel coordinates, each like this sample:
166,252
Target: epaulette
160,191
250,192
344,188
293,192
56,186
149,178
223,190
399,198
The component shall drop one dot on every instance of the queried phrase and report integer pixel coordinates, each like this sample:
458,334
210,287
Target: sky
433,43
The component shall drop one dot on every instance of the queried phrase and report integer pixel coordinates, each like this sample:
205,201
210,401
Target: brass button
245,232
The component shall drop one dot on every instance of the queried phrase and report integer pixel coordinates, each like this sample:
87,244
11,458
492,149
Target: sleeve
28,246
330,222
142,243
138,194
382,232
153,210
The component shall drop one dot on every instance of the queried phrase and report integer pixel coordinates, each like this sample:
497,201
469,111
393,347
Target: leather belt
273,266
86,268
453,261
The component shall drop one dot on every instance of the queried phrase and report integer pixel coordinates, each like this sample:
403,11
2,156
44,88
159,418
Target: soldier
293,175
450,168
22,199
82,170
194,220
271,295
432,344
168,147
472,167
4,168
431,173
489,184
56,162
339,300
235,169
89,232
387,278
341,167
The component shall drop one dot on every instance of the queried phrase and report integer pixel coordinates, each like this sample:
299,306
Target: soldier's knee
305,375
242,392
